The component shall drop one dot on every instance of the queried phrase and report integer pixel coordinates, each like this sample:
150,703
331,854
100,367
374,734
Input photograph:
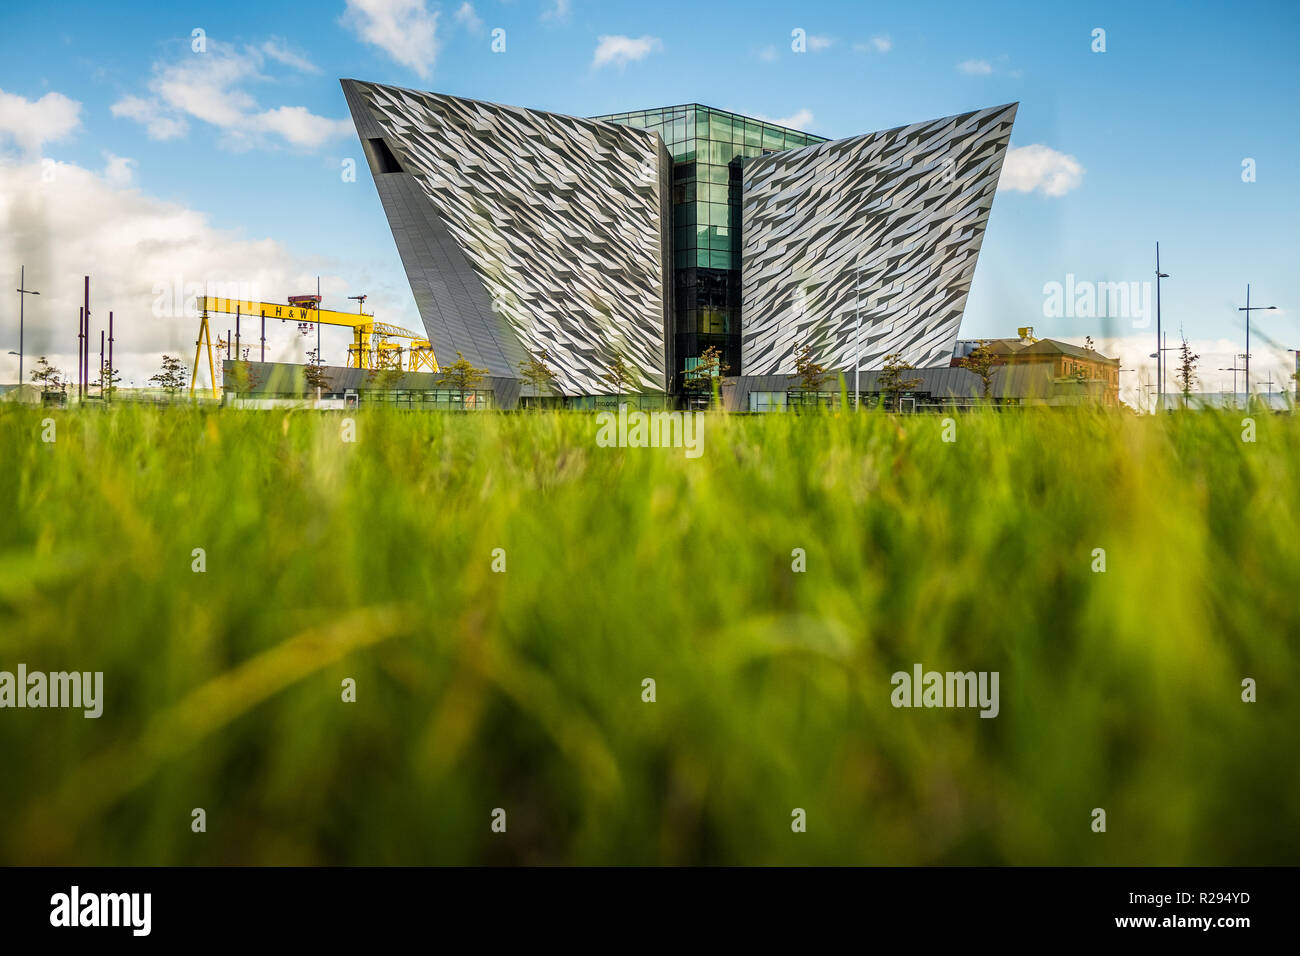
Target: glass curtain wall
708,147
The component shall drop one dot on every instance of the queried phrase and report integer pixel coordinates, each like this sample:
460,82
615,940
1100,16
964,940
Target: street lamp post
1234,369
23,292
857,338
1248,309
1160,350
1118,372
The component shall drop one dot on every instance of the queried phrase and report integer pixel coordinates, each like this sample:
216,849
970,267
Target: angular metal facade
889,223
523,231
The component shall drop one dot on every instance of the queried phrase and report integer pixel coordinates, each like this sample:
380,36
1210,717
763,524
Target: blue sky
1157,127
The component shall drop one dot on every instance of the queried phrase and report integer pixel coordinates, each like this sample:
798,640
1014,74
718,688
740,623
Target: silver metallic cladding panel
563,224
895,218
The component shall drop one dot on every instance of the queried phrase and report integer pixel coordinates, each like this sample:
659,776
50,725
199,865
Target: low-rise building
1076,373
1025,371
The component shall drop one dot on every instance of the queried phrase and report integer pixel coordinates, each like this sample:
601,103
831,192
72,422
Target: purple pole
85,352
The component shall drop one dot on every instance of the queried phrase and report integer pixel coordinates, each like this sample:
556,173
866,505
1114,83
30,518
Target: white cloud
621,50
1041,169
468,18
404,29
300,126
819,43
975,67
158,123
802,119
279,51
767,54
137,249
33,123
879,44
558,10
209,87
118,170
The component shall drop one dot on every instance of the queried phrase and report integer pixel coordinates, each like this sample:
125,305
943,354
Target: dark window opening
383,159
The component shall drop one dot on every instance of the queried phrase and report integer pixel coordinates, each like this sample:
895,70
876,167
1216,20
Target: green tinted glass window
702,124
718,193
720,126
712,321
719,260
773,138
753,136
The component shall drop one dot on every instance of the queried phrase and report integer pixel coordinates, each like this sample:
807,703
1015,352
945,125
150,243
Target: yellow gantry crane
370,347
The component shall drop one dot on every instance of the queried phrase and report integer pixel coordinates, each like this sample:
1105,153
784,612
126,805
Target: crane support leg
205,335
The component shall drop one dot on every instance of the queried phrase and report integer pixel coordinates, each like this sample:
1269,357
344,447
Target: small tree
315,372
462,375
385,379
243,379
1186,376
981,361
620,374
537,373
109,379
171,376
48,377
812,375
707,371
892,382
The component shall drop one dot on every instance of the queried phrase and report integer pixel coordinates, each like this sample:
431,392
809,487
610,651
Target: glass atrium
708,147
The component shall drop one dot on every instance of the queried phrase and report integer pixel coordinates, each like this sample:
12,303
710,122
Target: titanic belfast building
654,235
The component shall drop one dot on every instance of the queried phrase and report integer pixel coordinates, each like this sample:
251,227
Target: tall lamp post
23,292
1248,309
1234,369
857,337
1160,350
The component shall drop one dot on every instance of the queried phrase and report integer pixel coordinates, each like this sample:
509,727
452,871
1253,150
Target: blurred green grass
522,690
